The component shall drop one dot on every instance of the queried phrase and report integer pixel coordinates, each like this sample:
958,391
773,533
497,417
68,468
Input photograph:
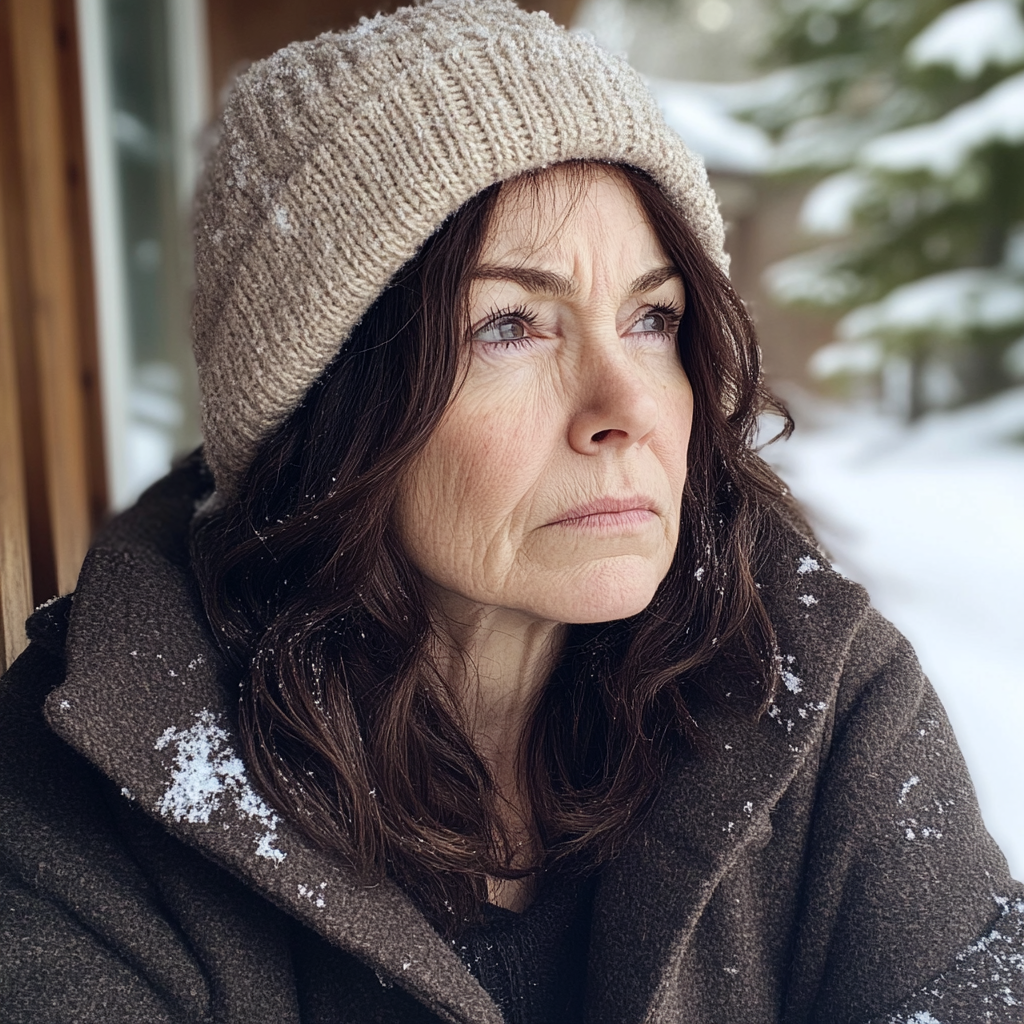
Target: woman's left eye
656,321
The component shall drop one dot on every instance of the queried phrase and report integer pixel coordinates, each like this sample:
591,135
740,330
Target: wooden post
15,575
51,464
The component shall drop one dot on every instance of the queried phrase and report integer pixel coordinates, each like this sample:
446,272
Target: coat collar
145,702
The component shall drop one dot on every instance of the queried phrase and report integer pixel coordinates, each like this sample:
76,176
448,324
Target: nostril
600,435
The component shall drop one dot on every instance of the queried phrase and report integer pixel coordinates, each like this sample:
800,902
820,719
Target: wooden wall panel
15,573
23,447
53,302
48,318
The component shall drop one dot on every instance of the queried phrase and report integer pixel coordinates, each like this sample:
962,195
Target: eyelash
672,314
520,313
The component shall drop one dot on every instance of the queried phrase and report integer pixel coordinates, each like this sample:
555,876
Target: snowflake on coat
208,776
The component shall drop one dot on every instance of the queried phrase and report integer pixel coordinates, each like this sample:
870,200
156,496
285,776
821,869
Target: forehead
548,217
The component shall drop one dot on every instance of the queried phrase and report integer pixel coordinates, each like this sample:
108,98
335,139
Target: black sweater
534,964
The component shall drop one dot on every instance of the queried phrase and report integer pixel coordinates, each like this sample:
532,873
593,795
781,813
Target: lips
608,509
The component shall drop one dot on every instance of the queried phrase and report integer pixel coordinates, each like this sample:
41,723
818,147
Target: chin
607,596
608,611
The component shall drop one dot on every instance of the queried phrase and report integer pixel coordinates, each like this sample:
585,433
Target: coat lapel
143,701
712,809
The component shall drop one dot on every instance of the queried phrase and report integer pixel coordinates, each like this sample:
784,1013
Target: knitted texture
337,158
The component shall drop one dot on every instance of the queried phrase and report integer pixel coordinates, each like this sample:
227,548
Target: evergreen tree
911,118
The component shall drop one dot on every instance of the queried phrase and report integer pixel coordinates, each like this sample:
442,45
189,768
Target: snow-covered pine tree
911,117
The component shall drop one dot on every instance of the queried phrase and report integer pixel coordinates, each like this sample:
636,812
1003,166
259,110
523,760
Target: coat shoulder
99,906
59,856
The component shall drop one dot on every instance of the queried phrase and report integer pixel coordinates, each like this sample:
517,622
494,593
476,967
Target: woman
479,669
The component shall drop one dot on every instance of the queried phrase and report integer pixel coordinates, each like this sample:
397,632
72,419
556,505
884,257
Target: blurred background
869,160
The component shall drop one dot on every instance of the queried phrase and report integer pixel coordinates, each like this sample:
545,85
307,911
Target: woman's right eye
504,331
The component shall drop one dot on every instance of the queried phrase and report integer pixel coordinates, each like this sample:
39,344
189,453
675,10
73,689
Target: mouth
629,511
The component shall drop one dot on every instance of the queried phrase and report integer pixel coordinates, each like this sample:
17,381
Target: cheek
685,429
483,451
675,438
462,500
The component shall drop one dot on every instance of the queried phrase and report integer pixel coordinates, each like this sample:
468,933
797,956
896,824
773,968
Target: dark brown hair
348,727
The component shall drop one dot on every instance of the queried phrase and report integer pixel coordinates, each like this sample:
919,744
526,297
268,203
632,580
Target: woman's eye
652,323
499,331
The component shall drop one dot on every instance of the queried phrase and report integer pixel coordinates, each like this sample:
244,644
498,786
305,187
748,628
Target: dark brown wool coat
827,864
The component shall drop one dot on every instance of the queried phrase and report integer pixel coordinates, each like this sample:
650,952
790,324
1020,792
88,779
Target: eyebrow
550,283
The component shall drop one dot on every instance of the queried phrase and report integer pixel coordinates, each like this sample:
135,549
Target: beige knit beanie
337,158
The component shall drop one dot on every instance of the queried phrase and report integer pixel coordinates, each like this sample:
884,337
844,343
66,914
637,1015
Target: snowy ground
931,520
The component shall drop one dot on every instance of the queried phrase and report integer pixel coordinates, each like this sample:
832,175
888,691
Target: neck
498,661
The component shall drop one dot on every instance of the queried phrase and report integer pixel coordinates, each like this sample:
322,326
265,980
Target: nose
616,405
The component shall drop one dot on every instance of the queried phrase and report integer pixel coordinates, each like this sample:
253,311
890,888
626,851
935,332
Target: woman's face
552,486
